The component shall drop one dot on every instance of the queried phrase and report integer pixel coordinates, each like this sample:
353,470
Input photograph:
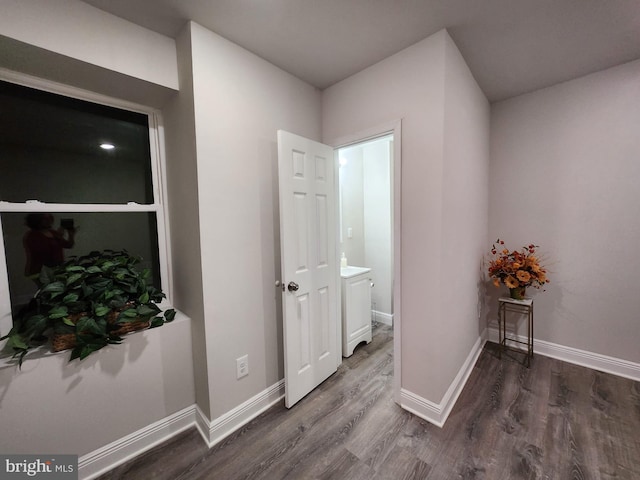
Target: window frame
159,187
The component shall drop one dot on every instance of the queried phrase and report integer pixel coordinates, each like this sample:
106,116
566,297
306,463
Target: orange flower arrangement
517,268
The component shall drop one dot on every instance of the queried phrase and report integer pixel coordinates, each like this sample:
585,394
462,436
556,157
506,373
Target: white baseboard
438,413
595,361
216,430
108,457
382,317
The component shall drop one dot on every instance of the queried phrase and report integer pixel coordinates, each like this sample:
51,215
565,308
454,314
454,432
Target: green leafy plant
88,302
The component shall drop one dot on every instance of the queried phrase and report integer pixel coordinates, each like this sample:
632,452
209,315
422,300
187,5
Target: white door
307,172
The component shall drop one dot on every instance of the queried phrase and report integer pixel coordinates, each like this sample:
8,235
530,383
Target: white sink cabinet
356,308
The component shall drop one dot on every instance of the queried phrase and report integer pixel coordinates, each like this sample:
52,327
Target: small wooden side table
522,307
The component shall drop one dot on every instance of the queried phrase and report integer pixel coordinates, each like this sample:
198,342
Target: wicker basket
66,341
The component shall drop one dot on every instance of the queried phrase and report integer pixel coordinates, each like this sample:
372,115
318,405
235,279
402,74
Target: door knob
293,287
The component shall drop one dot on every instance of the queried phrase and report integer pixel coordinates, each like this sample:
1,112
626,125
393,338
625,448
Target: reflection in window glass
50,150
135,232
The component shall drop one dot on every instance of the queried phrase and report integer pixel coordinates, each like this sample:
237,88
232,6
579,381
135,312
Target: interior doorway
369,220
365,217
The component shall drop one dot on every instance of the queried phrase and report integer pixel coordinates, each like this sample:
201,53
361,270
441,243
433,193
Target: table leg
500,331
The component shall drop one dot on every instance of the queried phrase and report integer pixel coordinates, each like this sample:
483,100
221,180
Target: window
87,173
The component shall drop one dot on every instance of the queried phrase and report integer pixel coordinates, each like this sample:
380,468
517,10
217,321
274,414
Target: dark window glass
135,232
50,150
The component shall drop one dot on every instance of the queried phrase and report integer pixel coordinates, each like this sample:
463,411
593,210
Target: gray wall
430,88
378,222
352,205
564,175
240,103
184,209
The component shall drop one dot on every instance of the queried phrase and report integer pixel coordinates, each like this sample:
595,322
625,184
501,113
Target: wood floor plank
401,464
345,465
551,421
378,433
326,437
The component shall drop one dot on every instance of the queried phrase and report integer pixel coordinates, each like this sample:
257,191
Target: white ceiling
511,46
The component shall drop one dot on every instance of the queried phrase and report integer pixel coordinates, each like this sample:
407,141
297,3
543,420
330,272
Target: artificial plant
90,298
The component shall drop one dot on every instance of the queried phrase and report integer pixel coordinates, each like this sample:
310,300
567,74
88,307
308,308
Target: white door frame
395,128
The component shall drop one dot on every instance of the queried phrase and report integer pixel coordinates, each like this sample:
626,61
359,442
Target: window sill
44,351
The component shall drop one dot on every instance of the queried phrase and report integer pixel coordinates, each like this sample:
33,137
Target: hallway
552,421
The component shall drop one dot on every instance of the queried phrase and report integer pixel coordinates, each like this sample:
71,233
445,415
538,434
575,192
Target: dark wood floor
553,421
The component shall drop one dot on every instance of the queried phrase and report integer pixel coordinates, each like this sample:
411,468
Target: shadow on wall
109,362
271,267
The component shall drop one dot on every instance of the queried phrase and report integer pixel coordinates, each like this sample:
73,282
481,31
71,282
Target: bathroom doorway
366,217
392,132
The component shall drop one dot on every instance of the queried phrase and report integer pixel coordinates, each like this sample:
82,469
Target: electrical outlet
242,366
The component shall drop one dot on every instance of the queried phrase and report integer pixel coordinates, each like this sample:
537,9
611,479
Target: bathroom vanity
356,307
